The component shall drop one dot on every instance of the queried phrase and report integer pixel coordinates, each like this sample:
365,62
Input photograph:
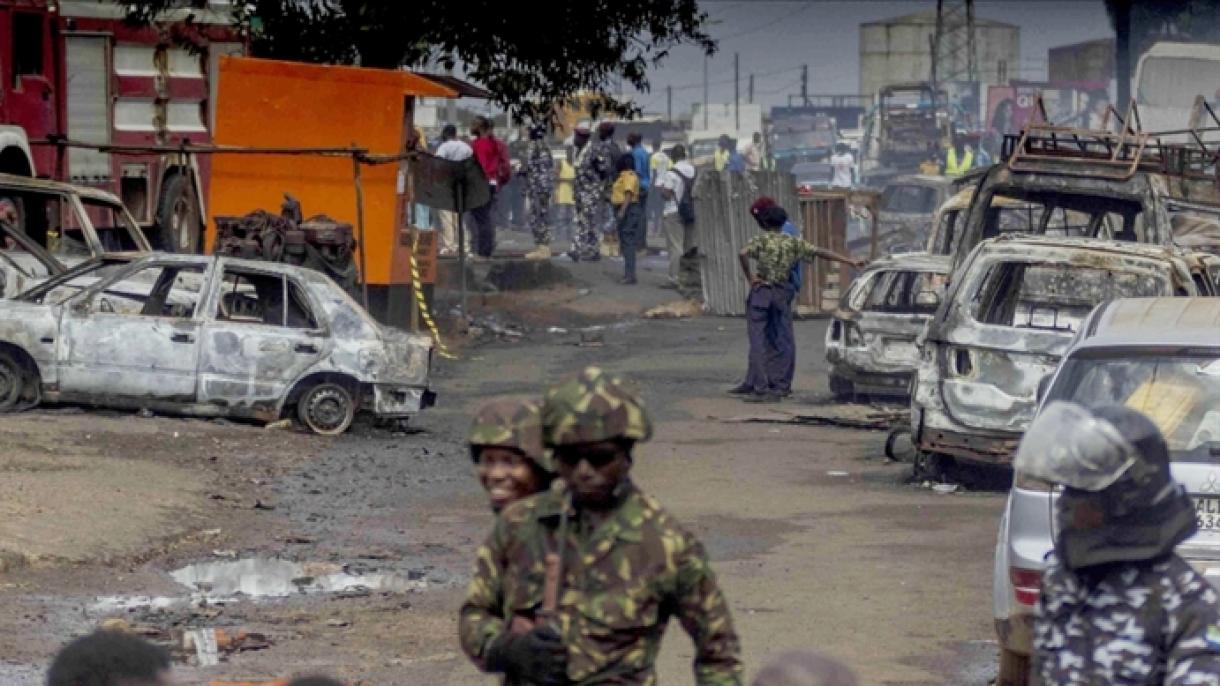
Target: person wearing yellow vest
724,150
959,159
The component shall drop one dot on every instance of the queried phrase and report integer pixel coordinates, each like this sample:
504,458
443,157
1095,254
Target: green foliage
531,56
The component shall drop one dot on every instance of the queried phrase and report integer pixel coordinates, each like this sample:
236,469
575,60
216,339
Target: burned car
208,336
908,204
870,343
1009,313
72,223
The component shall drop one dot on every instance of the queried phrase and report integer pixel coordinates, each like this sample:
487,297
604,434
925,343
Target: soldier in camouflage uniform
507,450
1117,606
594,163
625,565
539,182
769,303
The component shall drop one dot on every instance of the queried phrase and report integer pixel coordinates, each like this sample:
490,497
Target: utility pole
750,90
805,85
736,92
669,103
1122,55
450,104
705,92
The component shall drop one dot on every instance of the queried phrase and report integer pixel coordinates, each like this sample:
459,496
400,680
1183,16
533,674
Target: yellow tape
418,288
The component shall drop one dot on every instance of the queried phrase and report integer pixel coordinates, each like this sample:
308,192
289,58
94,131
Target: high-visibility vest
952,168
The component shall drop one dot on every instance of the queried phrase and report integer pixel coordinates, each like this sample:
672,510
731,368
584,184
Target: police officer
593,167
1118,606
506,446
539,182
624,564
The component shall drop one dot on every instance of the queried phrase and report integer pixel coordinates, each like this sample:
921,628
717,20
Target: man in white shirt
455,150
678,218
843,165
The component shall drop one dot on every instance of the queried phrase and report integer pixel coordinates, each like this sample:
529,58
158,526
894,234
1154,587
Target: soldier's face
593,470
506,475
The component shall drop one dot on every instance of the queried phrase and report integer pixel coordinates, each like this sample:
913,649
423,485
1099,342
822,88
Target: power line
767,25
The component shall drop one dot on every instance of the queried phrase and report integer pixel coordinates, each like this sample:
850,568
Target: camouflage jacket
1150,623
776,254
539,169
621,583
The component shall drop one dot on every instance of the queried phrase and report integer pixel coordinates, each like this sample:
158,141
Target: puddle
271,578
258,578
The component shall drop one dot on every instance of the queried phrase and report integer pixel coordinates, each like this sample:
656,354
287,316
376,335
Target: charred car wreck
1011,310
208,336
870,343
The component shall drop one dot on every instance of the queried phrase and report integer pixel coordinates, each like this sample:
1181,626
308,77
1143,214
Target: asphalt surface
818,540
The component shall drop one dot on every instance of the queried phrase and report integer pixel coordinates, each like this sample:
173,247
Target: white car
1160,356
208,336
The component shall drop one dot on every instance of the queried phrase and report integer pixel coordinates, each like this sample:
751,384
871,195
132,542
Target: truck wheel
178,216
327,409
1014,669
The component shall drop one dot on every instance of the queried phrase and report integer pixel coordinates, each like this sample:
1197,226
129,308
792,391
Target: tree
531,57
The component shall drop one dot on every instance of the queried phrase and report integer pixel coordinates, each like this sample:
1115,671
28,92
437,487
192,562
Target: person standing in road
626,565
781,326
508,453
539,180
492,157
770,300
658,165
624,199
753,152
724,148
593,167
959,158
678,220
1117,605
454,150
843,166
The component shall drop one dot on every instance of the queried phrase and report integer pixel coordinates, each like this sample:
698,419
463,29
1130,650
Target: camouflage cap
591,407
511,423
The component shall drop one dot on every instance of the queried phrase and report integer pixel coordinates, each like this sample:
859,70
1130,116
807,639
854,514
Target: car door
263,332
135,334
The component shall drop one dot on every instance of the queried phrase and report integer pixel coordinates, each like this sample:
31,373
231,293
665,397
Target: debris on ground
846,415
678,309
281,424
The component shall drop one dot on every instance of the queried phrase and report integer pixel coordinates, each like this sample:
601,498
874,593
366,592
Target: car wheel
178,216
327,409
1014,669
841,388
12,383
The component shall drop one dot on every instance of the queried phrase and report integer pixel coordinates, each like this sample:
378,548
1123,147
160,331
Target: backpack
504,166
686,203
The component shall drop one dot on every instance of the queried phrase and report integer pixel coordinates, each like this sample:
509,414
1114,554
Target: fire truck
72,71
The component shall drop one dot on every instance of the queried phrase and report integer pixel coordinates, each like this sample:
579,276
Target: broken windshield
909,198
1062,214
1056,297
895,292
1179,393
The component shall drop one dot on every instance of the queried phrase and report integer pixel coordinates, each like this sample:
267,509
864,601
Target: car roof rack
1117,154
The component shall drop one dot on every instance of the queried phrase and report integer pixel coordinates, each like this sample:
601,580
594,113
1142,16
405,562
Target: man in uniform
1117,606
539,180
769,304
592,169
622,563
507,450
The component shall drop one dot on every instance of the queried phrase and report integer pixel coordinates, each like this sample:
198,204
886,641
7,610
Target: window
896,291
909,199
113,226
27,46
1062,214
1056,297
154,291
257,298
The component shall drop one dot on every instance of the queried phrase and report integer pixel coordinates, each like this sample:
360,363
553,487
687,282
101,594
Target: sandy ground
818,540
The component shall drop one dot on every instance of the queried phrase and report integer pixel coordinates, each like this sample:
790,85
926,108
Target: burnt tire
1014,669
20,387
178,220
327,409
842,389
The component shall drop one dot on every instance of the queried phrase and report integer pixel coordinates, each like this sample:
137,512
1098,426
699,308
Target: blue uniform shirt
641,157
791,230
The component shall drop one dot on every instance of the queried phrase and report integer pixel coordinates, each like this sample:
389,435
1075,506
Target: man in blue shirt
642,159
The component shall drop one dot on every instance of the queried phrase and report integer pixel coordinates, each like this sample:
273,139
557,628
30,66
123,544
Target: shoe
573,255
542,252
740,390
764,398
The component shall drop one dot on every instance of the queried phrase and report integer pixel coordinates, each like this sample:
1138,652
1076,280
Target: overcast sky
775,38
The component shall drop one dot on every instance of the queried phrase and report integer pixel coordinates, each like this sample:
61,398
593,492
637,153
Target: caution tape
418,288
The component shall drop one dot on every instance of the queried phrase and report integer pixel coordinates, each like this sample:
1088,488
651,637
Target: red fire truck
73,70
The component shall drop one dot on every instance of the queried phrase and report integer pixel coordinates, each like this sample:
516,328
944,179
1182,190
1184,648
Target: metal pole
805,85
1122,53
669,103
750,90
458,204
364,274
736,92
705,92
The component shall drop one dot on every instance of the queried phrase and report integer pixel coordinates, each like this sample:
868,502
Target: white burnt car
1011,311
208,336
870,343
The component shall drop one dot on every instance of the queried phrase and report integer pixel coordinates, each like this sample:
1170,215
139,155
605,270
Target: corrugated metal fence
724,225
